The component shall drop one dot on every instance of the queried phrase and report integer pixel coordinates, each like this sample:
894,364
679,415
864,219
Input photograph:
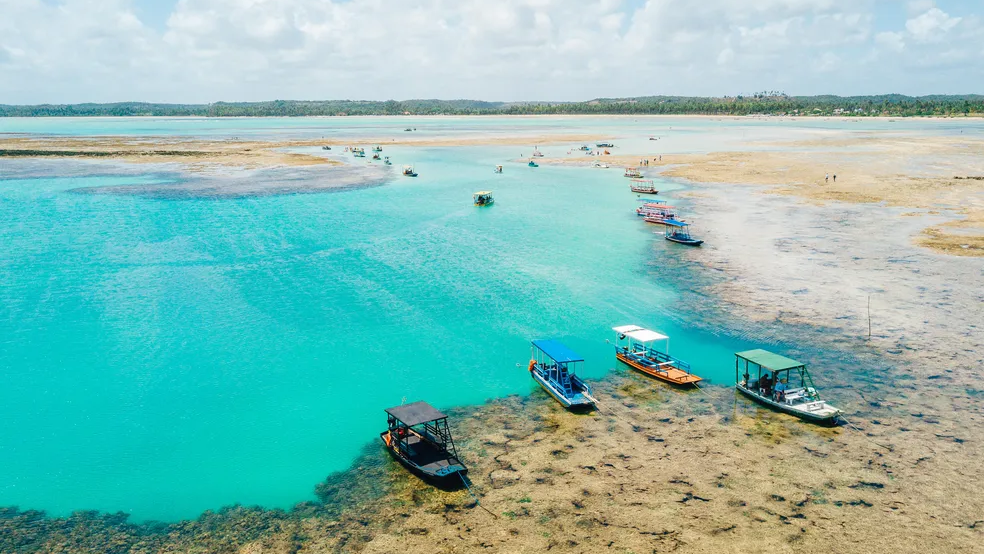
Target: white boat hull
816,411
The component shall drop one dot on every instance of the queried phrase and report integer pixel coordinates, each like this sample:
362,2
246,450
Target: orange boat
634,348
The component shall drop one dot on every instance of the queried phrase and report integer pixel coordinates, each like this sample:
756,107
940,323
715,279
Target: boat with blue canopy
634,347
789,388
553,366
679,232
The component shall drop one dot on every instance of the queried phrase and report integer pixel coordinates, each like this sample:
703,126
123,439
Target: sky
198,51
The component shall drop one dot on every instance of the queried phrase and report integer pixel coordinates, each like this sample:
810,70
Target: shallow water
165,356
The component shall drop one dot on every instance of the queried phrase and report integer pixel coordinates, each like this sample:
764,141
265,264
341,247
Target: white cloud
891,41
89,50
931,26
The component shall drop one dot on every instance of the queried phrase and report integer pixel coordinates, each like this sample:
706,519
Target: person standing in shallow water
835,177
826,177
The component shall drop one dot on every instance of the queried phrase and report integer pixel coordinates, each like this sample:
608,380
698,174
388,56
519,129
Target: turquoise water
163,357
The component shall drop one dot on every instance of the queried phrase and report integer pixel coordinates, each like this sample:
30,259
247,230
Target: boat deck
428,457
663,371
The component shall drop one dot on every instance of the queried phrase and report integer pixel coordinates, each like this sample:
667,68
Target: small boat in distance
585,148
359,152
386,160
633,173
532,164
483,198
679,232
634,348
408,171
537,153
377,148
600,165
788,389
498,169
552,366
605,145
408,129
418,437
326,147
643,187
375,156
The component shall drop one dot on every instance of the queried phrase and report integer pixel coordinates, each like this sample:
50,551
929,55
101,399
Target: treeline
772,103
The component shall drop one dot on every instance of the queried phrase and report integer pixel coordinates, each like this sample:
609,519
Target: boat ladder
565,382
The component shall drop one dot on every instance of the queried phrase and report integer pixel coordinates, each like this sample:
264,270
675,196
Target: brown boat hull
669,375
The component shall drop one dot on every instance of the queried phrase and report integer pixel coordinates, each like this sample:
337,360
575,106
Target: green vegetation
771,103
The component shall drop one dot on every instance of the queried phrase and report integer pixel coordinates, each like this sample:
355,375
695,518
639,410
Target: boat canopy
769,360
415,413
638,333
675,223
557,351
483,193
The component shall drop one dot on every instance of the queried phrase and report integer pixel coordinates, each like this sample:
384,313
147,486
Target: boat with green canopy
782,384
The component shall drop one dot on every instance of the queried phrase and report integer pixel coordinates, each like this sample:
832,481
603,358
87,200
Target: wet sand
931,173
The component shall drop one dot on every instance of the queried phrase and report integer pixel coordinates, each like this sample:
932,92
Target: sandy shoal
913,171
246,154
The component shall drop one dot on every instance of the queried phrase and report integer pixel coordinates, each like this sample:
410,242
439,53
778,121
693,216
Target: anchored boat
643,187
498,169
679,232
552,365
634,348
633,173
483,198
605,145
386,160
788,389
419,438
408,171
377,148
532,164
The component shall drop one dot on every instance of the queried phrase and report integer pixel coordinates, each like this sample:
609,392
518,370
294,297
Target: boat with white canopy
634,347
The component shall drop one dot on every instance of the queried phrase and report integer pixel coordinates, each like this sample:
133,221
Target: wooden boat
605,145
633,173
537,153
359,153
377,148
585,148
498,169
375,156
408,171
642,186
553,366
679,232
386,160
600,165
788,389
634,348
483,198
533,164
656,212
419,438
